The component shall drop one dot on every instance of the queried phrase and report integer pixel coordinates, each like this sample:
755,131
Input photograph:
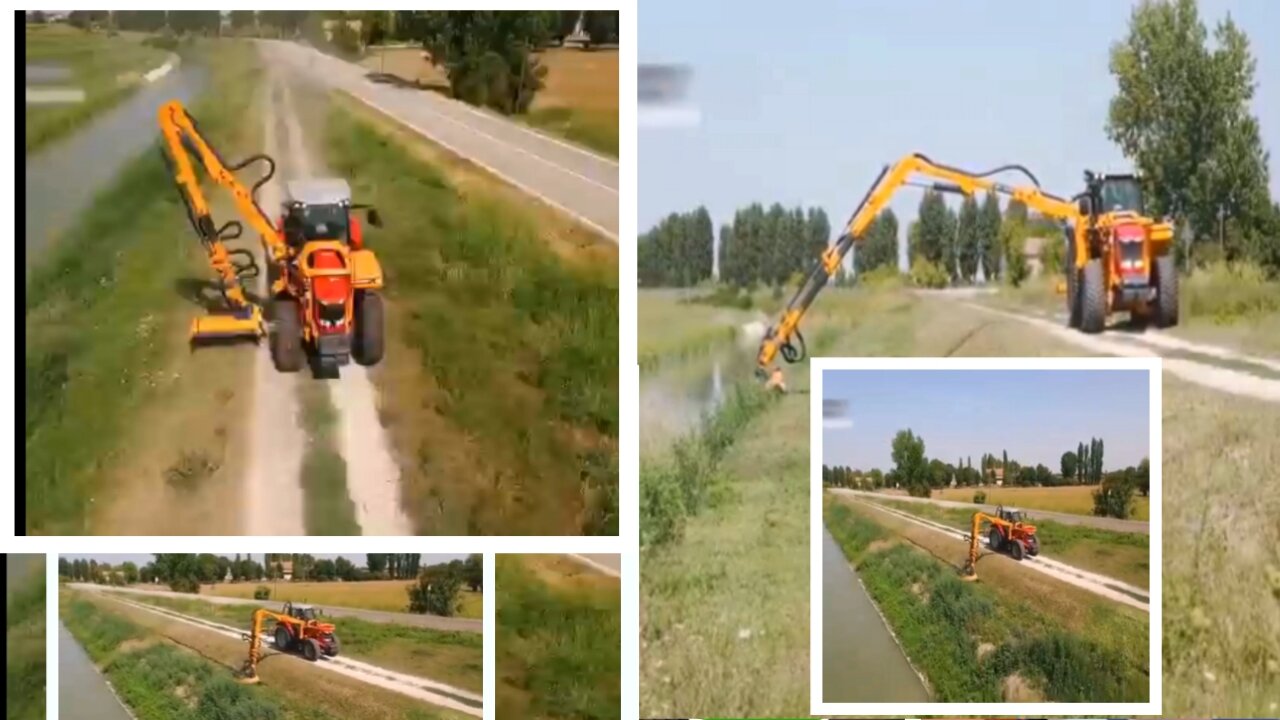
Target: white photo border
1153,367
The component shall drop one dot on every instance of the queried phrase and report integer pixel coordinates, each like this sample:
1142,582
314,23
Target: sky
140,559
805,107
1036,415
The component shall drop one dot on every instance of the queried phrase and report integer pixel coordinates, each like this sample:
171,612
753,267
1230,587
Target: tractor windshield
306,613
1121,194
322,222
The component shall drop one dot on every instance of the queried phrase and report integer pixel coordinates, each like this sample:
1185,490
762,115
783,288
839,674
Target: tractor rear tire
1093,300
1166,282
1016,550
1073,283
286,335
282,639
995,540
369,344
311,649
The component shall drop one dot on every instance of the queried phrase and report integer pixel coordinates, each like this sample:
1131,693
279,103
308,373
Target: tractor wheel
1016,550
286,335
995,540
311,649
369,328
334,647
1166,282
1033,546
282,639
1073,283
1093,298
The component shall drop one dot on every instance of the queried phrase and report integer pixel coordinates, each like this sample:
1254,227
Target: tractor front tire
994,540
311,649
1166,282
369,344
1033,546
286,335
334,647
1093,298
282,639
1015,549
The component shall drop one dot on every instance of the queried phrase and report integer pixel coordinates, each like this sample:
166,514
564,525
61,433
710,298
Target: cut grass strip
327,506
100,313
970,639
558,648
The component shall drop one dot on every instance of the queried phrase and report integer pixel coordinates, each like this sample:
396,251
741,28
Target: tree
967,239
1144,477
989,247
130,571
1181,113
601,26
241,19
344,569
473,574
677,252
377,563
1068,465
487,54
910,463
935,230
1114,497
435,593
879,246
35,16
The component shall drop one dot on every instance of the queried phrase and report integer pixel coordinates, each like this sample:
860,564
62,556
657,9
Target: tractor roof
318,191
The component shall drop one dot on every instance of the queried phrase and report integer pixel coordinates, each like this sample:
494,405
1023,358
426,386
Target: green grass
327,506
96,61
941,621
520,347
97,632
25,645
1124,556
452,657
100,312
598,131
558,650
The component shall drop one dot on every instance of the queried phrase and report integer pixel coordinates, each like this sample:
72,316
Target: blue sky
803,106
1034,414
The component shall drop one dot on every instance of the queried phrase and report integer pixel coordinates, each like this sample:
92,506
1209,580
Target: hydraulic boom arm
183,139
946,179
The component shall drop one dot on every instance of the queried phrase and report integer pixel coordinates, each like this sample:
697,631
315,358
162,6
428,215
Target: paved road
434,622
573,180
1103,523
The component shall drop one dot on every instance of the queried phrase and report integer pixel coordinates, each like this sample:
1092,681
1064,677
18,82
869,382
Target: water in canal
861,661
677,395
82,691
63,177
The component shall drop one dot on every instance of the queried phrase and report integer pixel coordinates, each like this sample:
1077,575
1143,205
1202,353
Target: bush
980,497
435,593
725,296
184,585
1114,498
927,274
262,592
885,275
164,42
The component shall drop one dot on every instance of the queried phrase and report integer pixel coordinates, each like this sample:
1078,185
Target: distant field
579,99
1075,499
388,595
106,68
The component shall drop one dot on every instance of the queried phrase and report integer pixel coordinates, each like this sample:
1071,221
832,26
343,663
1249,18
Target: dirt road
1102,523
435,622
1101,585
573,180
425,689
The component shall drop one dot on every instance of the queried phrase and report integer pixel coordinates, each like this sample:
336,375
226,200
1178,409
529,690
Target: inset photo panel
285,636
25,637
558,642
985,536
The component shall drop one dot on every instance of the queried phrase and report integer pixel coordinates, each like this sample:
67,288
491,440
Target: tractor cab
1012,515
320,209
305,613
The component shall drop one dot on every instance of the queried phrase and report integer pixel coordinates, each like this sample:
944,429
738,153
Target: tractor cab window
319,222
305,613
1121,194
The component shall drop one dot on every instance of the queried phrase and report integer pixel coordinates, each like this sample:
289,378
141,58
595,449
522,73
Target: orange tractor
297,630
1008,533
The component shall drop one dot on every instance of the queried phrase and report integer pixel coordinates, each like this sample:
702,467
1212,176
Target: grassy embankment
996,640
677,327
578,101
25,641
107,68
451,657
386,595
559,640
501,378
114,398
1074,499
164,670
743,567
1124,556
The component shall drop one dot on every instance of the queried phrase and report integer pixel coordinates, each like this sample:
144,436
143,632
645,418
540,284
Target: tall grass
672,491
558,650
25,644
1227,292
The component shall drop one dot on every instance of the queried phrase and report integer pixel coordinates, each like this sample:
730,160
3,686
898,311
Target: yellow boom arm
182,139
947,179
